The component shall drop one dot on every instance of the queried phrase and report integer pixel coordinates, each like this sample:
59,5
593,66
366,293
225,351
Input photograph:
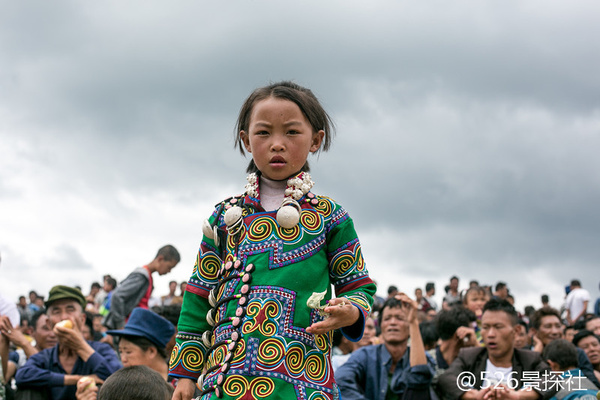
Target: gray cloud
466,134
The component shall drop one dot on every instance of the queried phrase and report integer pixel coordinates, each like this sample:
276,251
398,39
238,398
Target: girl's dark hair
145,344
302,97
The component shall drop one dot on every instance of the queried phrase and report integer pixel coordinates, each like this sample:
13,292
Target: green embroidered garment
242,326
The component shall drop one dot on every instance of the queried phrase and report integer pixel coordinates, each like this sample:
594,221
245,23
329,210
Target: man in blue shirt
389,370
56,370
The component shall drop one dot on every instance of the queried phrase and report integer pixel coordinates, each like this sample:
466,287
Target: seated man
498,369
590,344
562,357
56,370
389,370
42,335
546,327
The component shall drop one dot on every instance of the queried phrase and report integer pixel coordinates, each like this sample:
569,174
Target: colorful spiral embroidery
270,353
289,234
239,357
322,342
262,315
311,221
342,264
360,301
207,267
218,355
294,359
318,396
239,387
260,229
190,357
299,363
315,368
324,206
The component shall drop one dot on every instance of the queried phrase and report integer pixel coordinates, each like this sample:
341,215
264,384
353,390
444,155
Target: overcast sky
467,133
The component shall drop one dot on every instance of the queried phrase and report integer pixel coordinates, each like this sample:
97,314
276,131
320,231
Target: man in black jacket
497,370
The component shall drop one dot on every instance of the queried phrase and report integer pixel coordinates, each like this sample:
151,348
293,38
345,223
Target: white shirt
9,309
495,375
575,301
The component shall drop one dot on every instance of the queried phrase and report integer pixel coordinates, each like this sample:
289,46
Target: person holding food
55,371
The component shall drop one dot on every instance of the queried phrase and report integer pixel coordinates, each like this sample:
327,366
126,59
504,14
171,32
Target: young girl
474,299
255,319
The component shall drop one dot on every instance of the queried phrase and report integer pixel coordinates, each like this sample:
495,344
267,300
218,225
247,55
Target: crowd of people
411,347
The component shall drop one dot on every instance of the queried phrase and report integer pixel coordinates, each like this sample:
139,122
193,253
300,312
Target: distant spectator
522,339
593,324
501,291
24,310
590,344
46,370
135,383
167,299
110,284
392,291
32,297
569,333
452,294
422,302
473,283
545,300
430,315
576,302
511,299
91,297
562,357
136,289
429,293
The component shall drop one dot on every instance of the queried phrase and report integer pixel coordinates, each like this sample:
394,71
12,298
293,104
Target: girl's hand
341,313
184,390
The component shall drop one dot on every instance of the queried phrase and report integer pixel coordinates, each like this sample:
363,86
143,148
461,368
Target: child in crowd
258,311
474,299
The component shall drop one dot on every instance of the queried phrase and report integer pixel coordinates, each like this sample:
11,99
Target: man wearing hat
56,370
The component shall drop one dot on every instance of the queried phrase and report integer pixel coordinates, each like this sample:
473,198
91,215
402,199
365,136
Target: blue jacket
365,374
44,371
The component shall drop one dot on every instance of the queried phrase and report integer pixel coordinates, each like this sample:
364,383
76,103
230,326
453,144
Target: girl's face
475,302
132,354
280,138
